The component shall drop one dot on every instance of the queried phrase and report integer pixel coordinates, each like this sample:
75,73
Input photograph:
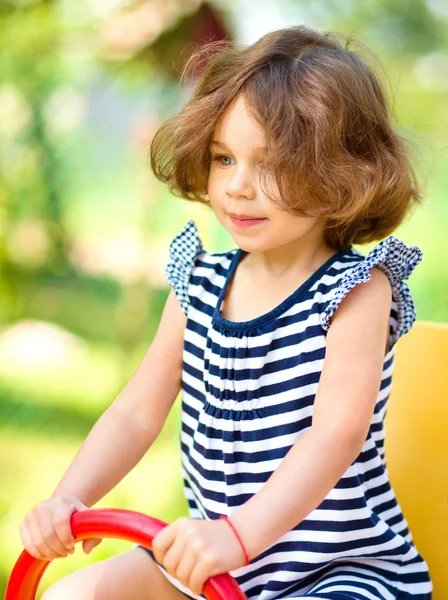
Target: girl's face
234,188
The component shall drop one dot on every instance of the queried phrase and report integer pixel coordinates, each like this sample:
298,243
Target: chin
249,245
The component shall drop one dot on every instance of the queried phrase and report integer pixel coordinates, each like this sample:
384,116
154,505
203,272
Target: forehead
236,124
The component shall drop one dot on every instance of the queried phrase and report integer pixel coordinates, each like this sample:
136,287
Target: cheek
290,227
215,186
212,182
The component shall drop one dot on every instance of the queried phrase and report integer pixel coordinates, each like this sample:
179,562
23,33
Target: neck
303,254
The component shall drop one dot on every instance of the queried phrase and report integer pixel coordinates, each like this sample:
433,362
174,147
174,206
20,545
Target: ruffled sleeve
396,260
184,249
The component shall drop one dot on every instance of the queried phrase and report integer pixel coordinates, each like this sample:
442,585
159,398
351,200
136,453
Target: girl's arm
116,443
126,430
348,389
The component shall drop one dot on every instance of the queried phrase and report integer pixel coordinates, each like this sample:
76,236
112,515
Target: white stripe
266,379
178,584
352,588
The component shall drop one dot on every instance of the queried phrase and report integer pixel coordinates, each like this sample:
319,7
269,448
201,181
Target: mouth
245,217
246,220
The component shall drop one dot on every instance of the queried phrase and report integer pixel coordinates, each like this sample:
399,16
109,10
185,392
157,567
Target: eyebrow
219,143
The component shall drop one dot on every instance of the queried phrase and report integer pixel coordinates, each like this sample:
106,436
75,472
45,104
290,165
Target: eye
218,158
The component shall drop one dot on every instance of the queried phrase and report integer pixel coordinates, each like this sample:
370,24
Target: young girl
283,347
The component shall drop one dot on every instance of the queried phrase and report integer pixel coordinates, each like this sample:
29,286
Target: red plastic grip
108,523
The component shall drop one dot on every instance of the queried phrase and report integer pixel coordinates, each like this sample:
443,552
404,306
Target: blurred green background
85,227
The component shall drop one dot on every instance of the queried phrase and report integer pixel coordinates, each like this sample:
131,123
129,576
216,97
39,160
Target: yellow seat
416,445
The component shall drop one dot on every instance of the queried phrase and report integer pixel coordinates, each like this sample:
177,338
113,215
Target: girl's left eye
218,157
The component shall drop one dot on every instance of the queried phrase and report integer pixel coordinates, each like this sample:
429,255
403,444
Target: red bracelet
246,556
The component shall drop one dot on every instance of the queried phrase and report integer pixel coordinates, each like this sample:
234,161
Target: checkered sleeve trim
396,260
184,248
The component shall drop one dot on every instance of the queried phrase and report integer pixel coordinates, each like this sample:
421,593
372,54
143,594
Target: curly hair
332,150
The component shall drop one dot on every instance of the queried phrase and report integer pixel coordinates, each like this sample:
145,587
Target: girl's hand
46,532
192,550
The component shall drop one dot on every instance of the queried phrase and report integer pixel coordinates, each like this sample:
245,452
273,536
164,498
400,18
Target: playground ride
108,523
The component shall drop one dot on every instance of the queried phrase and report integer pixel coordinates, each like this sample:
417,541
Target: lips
246,221
245,217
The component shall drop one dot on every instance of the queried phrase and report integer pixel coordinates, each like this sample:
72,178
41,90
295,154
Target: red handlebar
108,523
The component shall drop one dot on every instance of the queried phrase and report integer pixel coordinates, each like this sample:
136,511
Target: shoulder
364,312
379,277
187,248
376,288
191,268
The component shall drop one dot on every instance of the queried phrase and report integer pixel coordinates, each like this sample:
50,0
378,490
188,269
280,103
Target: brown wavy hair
332,150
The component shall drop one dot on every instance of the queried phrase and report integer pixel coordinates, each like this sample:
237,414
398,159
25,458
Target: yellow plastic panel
417,443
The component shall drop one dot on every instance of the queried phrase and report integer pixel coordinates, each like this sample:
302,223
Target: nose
241,183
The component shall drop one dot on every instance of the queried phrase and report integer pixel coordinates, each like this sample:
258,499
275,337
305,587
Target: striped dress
247,396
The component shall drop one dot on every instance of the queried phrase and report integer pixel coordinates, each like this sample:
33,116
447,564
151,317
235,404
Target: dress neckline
221,321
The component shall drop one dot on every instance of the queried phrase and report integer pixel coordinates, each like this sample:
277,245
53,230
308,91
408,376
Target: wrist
67,496
237,537
249,530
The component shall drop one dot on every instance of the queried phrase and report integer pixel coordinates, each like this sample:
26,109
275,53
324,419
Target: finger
24,532
203,569
61,524
28,545
185,567
78,506
174,555
50,537
51,544
89,545
37,540
162,541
